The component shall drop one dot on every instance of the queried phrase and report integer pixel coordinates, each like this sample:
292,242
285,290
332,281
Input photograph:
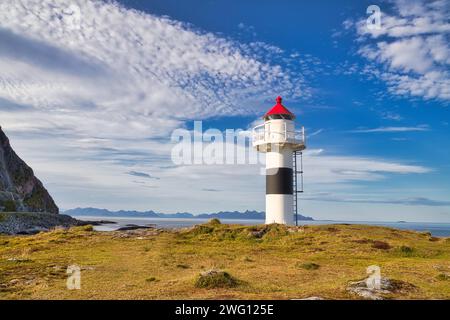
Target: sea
436,229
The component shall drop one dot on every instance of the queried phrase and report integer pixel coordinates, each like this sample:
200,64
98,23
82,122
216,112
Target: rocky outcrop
385,288
20,190
33,222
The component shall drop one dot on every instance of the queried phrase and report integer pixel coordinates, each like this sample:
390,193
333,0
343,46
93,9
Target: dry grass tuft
214,279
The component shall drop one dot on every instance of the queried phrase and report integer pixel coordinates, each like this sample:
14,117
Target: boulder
386,287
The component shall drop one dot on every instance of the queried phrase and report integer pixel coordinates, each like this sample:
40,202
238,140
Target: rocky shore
32,222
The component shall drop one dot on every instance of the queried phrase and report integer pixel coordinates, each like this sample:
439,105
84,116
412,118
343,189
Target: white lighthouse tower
279,140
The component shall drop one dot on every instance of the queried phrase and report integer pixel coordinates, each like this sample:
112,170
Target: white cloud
335,170
125,71
315,133
394,129
413,47
389,115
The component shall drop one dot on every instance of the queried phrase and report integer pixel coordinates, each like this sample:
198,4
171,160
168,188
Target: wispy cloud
315,133
394,129
412,47
334,169
415,201
389,115
127,72
210,190
141,175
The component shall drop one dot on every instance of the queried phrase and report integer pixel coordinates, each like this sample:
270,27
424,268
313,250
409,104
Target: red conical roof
279,109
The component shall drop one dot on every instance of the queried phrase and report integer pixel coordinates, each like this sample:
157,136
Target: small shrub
275,231
202,229
381,245
182,266
443,277
406,251
87,228
309,266
214,221
151,279
215,279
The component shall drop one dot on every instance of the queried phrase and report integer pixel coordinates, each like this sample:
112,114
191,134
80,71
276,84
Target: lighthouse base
279,209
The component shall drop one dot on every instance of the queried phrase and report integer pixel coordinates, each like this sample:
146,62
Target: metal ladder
296,188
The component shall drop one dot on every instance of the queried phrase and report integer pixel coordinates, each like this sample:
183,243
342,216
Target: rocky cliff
20,190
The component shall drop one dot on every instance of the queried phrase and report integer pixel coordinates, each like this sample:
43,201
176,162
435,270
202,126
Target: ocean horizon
437,229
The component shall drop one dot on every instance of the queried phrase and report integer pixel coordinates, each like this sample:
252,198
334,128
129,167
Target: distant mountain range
185,215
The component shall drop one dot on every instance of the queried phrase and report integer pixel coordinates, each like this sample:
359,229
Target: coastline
436,229
32,223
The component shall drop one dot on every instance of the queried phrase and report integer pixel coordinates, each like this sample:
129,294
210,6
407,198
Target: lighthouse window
279,117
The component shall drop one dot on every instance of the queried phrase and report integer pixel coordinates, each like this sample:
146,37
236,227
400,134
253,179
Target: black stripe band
279,181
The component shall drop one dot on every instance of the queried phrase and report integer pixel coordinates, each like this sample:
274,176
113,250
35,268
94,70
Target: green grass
264,262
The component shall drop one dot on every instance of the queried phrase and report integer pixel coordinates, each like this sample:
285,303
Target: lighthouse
279,140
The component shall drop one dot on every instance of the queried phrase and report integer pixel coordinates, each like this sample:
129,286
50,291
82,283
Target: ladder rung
299,191
301,172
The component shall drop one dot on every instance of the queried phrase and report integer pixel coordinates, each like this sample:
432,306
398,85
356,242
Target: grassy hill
264,262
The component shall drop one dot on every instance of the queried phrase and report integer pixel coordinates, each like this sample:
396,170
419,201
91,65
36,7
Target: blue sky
90,92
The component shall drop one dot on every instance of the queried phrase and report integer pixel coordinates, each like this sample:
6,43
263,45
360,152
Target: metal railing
260,136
